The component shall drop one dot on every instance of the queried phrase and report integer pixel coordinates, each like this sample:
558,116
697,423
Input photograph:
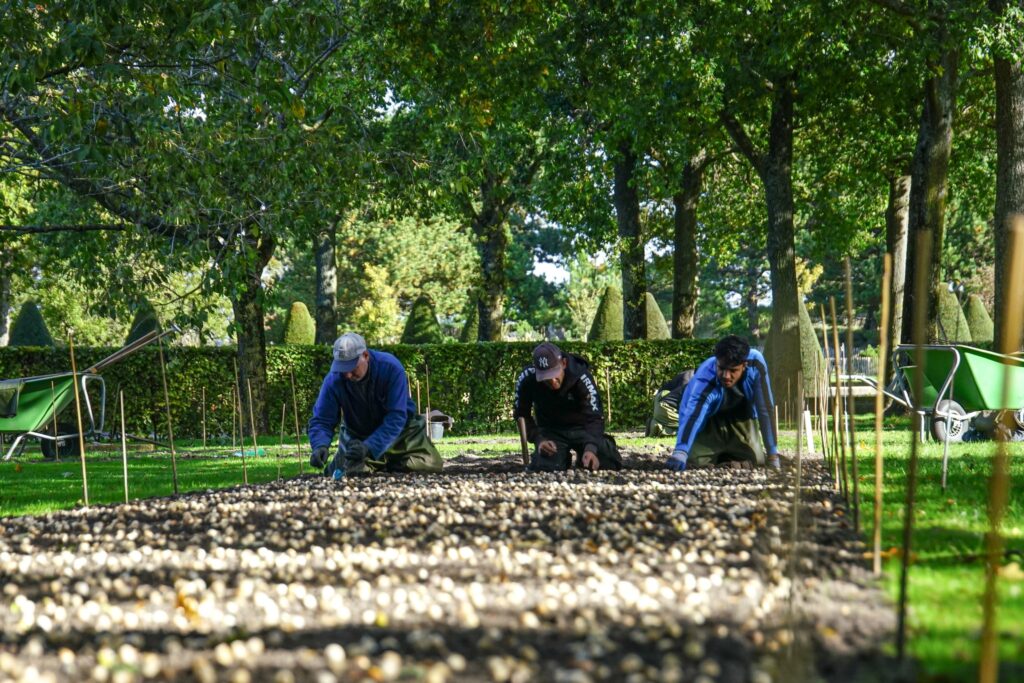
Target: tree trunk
326,286
5,304
1009,78
252,342
627,215
928,188
492,240
777,176
685,270
750,297
896,217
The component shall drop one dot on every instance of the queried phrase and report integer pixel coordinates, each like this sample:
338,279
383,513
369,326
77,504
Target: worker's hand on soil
677,461
590,461
319,457
547,447
356,450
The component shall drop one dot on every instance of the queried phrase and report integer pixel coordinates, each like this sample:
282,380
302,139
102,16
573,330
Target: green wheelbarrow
31,406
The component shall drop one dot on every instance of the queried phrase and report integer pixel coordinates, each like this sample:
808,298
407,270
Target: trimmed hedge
657,328
978,320
608,320
422,327
473,383
144,322
299,326
29,328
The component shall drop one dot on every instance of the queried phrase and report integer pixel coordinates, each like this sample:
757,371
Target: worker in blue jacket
722,409
368,392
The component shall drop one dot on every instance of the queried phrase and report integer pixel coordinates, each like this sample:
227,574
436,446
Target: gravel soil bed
483,573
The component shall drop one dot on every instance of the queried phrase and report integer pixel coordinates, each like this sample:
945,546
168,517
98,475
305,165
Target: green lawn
947,577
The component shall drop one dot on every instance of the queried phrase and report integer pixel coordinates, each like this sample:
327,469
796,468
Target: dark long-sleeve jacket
704,397
375,408
576,404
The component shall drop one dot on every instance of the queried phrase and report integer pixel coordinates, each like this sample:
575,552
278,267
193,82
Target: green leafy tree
470,328
951,324
29,329
657,328
607,325
299,326
422,327
979,322
144,321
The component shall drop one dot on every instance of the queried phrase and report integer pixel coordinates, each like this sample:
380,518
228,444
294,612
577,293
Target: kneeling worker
721,409
369,391
568,409
665,411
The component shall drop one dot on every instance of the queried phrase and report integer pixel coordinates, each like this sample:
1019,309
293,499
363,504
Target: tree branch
739,135
85,227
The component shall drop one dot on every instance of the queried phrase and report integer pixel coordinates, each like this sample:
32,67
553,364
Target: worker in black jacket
560,388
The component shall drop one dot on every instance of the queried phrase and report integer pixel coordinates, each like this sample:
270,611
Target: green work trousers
573,439
411,452
664,417
724,439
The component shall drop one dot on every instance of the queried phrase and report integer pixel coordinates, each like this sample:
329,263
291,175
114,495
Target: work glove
677,461
319,457
356,451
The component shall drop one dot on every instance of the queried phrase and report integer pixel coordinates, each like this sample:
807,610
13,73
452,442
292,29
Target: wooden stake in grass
426,416
78,416
278,456
839,425
418,404
203,399
850,400
999,480
234,417
295,409
53,402
829,406
524,444
252,427
883,350
124,445
921,273
167,404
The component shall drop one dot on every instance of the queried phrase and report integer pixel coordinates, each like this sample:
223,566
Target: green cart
32,406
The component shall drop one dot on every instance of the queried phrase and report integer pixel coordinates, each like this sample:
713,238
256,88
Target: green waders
411,452
575,439
726,438
664,417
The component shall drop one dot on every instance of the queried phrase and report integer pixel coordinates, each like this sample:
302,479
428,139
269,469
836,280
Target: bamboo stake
921,272
241,413
277,457
795,529
53,402
167,405
78,416
124,445
829,402
608,390
999,480
204,415
883,349
418,410
840,407
295,409
426,377
234,416
252,427
851,404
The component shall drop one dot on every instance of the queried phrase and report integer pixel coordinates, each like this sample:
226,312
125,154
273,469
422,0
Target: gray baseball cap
347,349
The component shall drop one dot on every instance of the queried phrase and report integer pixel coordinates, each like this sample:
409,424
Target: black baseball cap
547,360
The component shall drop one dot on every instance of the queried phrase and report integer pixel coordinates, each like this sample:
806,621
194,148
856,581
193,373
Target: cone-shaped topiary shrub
471,330
299,326
29,328
607,325
657,328
422,326
144,322
952,325
979,322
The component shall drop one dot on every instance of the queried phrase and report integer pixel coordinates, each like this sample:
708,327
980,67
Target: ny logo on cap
542,361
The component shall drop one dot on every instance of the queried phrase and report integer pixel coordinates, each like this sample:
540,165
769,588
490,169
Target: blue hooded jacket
704,395
375,409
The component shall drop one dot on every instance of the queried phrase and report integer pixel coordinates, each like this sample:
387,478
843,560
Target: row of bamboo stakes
837,404
834,445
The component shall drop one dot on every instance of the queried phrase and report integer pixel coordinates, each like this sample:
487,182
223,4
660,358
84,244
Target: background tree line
222,159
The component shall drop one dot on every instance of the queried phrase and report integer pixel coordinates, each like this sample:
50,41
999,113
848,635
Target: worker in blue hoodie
722,409
368,392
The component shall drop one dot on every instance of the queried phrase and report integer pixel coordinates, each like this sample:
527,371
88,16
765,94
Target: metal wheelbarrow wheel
957,424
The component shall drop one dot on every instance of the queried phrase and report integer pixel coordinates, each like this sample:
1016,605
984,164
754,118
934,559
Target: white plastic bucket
436,430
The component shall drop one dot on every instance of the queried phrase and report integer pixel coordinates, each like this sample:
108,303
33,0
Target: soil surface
484,572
